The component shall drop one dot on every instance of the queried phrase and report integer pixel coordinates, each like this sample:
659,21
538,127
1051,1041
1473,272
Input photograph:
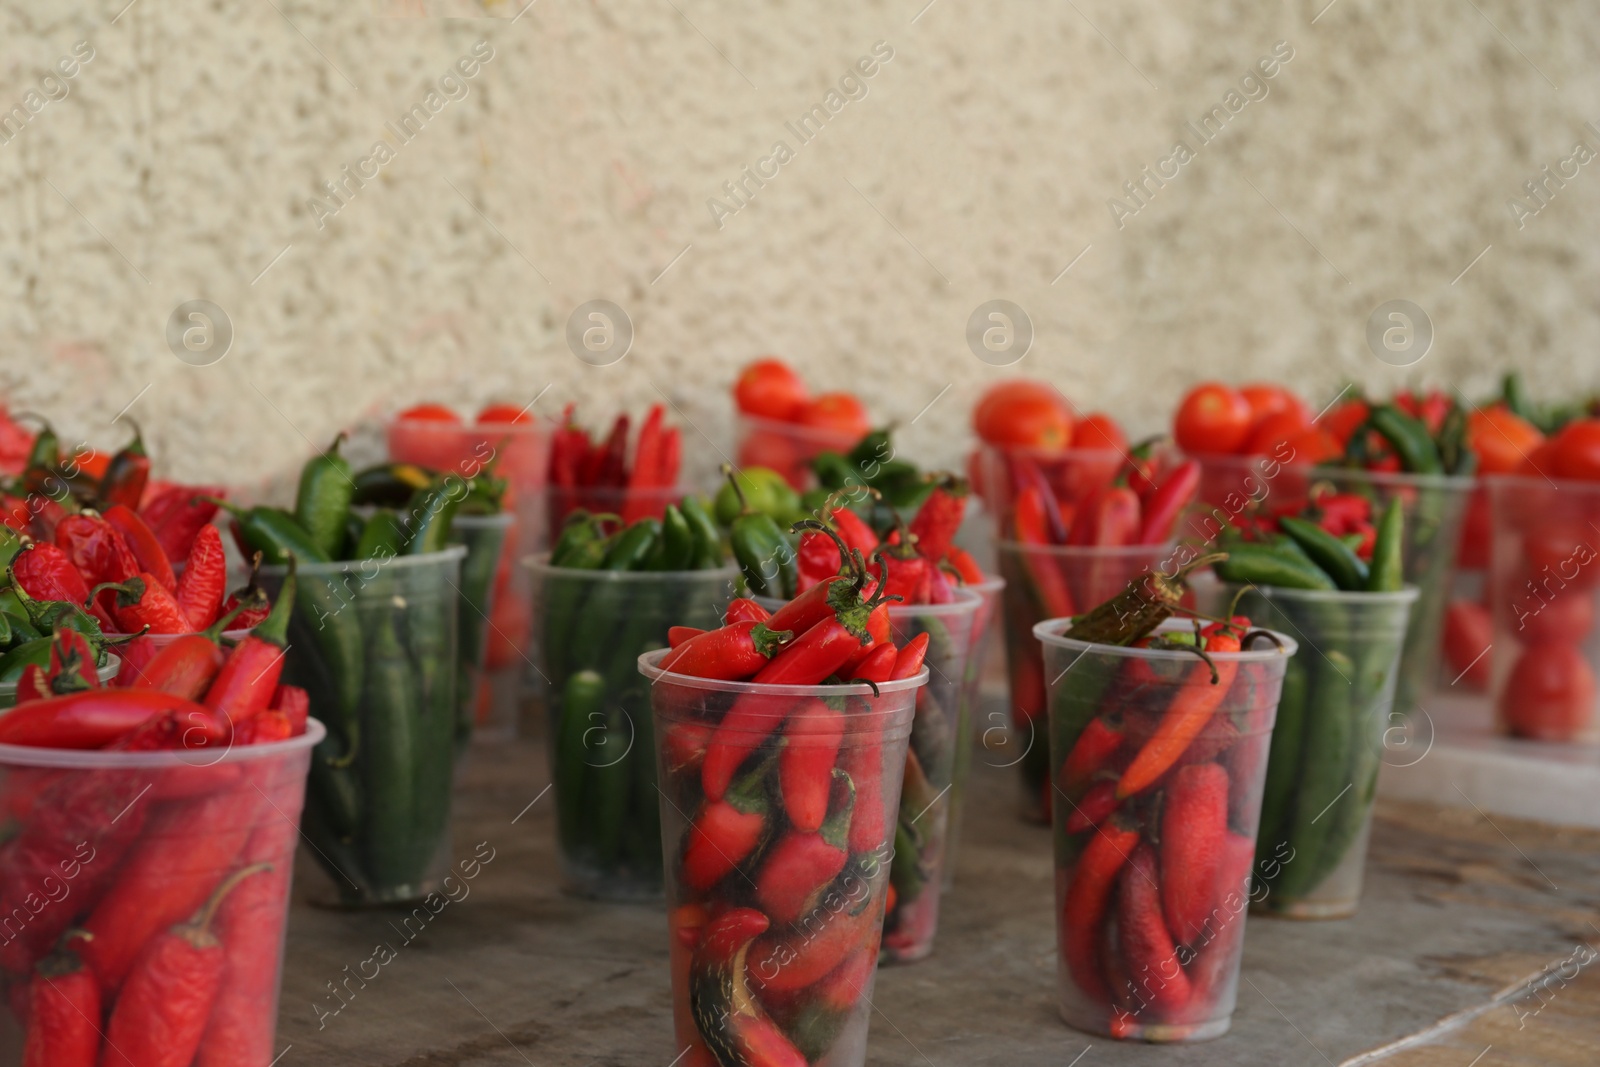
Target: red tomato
1212,418
1550,694
1558,555
431,413
1024,413
839,413
1577,451
1311,445
1565,618
1343,419
1501,439
1265,399
504,414
770,389
1100,432
1475,531
1467,633
1541,461
1273,430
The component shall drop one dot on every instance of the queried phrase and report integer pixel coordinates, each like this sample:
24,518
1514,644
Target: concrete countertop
1458,952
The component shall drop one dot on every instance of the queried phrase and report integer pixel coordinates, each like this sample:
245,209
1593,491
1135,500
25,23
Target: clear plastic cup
628,504
971,703
373,643
127,846
1544,592
1152,889
1337,704
1043,582
774,932
590,627
787,447
485,538
113,667
1072,473
1232,483
520,453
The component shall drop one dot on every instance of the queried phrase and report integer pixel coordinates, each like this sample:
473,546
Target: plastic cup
485,538
8,690
1544,581
521,454
774,932
1232,483
787,447
129,845
1072,474
373,643
971,702
590,627
1152,890
1337,705
1434,505
628,504
1042,582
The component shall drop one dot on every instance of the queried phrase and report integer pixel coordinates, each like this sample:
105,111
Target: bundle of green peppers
597,613
377,654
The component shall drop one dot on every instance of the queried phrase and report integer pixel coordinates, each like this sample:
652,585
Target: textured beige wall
579,163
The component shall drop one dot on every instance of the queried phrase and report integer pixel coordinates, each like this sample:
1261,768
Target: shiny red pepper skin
161,1013
803,862
907,576
807,609
1093,751
249,676
205,579
1095,807
877,666
909,660
812,657
678,635
850,917
743,609
1083,911
143,544
939,518
1164,504
94,718
812,736
64,1012
178,513
1148,951
723,834
1194,825
730,654
125,477
185,668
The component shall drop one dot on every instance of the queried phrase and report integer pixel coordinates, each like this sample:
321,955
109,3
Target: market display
780,776
607,593
1159,730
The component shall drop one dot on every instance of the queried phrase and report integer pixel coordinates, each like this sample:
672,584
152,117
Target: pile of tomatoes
785,426
1252,420
1022,413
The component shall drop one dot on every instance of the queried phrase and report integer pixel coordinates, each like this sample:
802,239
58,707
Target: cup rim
533,428
92,759
648,668
344,566
1323,470
105,674
1086,551
967,602
1050,454
1049,632
1528,481
538,563
1406,594
795,429
498,518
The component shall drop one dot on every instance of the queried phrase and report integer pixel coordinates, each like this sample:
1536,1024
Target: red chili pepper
1216,957
853,531
677,635
1194,822
1083,911
95,718
63,1023
1045,581
205,579
909,660
143,544
879,632
878,666
813,656
1096,806
294,704
165,878
1165,503
72,665
33,685
1043,516
183,668
810,607
804,861
940,517
849,917
161,1014
263,728
96,548
732,653
1093,751
611,460
178,515
568,448
812,736
726,831
44,572
141,603
743,609
646,464
1108,519
1147,948
127,474
907,574
251,602
248,678
965,565
817,559
1192,707
731,1021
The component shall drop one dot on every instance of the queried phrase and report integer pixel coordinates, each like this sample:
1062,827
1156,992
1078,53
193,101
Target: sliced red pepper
812,735
143,543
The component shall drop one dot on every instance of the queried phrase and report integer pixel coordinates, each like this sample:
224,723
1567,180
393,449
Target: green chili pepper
1324,776
581,708
484,543
325,618
1256,564
833,471
30,653
1328,552
1410,439
633,546
581,529
562,595
610,780
707,542
336,854
428,617
430,513
274,533
1284,760
1455,454
389,485
334,790
322,501
764,553
1387,574
645,848
382,537
354,524
20,628
390,846
675,549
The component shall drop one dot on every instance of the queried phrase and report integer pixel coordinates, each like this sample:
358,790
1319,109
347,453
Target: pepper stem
201,924
846,553
738,490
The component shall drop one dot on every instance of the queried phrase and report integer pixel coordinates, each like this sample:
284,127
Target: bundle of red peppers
1141,505
780,870
146,905
922,568
590,474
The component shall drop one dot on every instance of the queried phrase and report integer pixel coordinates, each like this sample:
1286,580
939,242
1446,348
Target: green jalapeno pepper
707,542
1256,564
1387,573
1410,439
382,537
389,485
581,708
274,533
1328,552
391,850
322,501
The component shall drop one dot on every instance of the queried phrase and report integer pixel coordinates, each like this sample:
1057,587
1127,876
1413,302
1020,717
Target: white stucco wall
579,163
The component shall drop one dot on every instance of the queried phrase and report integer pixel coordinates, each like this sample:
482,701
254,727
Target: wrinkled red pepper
205,579
143,543
63,1023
